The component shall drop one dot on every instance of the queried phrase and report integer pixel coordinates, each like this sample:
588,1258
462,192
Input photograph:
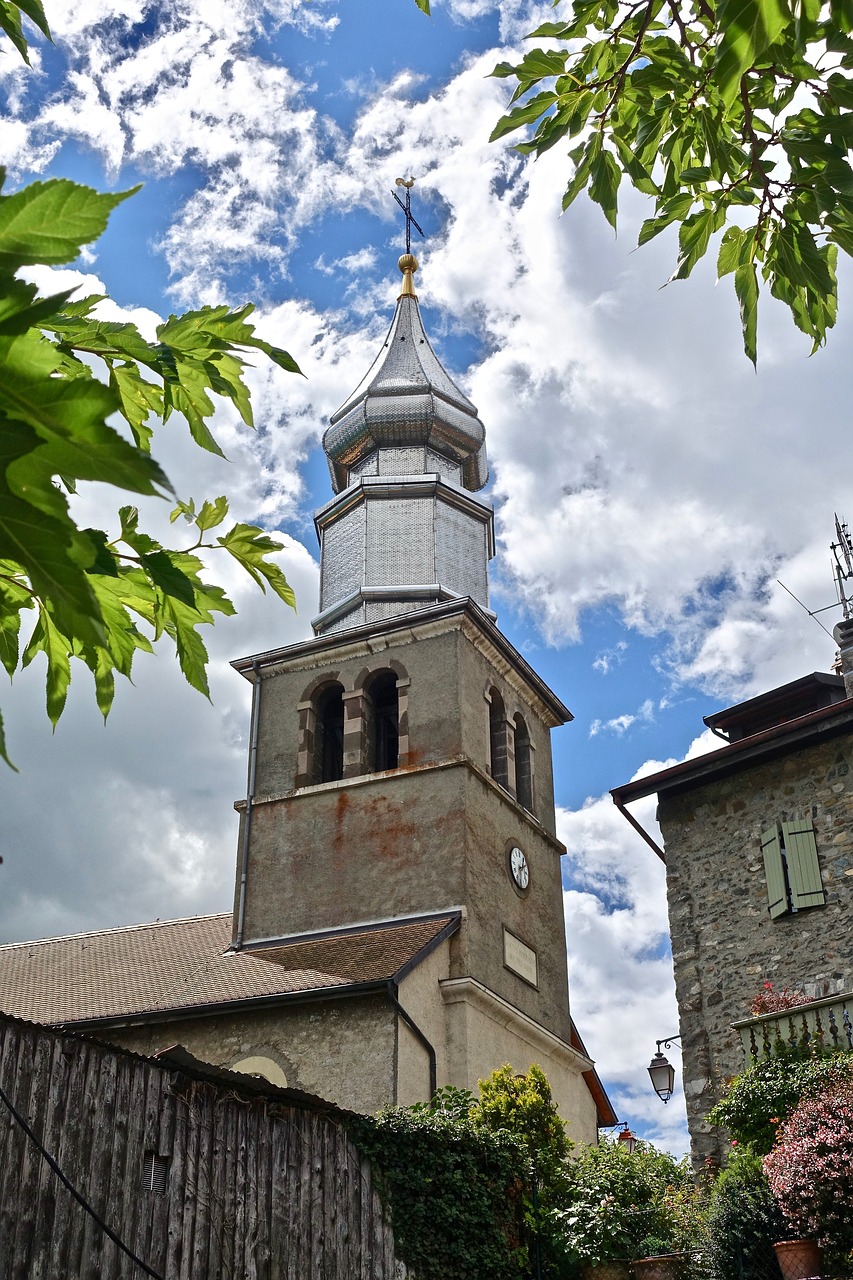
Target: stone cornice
469,991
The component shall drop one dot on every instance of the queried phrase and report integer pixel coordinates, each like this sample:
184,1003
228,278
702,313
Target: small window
155,1173
498,752
329,735
792,868
385,752
523,765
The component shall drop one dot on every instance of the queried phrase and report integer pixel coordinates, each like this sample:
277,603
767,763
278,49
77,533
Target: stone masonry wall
724,943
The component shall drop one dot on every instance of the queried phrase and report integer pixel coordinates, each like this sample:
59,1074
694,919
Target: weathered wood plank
255,1190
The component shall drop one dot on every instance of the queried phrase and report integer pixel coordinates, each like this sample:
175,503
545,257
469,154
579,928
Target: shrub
455,1192
625,1204
766,1093
810,1169
743,1222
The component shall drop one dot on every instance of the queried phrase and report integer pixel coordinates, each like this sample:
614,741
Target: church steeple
406,450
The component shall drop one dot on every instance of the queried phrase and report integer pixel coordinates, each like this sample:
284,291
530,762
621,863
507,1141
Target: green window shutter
803,866
777,894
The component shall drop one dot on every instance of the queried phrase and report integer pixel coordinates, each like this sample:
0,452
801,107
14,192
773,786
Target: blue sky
649,487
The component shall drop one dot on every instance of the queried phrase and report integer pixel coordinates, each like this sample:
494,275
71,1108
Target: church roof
407,398
187,965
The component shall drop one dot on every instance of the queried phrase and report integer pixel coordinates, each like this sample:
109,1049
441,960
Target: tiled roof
185,964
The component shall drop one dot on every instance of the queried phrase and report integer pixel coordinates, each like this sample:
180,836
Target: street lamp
661,1070
626,1138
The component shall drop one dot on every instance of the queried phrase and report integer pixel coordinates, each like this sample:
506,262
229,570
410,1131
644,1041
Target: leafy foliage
626,1204
95,596
762,1097
768,1000
522,1104
810,1169
732,115
455,1191
743,1221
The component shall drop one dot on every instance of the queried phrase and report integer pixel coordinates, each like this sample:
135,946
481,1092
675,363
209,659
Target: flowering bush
810,1169
762,1097
624,1204
766,1000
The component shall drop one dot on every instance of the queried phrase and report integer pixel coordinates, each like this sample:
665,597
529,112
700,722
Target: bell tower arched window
385,728
498,747
329,735
523,764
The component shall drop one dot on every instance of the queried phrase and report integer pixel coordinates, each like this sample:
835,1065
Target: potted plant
810,1172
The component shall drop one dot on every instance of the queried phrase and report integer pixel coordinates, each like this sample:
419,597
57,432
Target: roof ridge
125,928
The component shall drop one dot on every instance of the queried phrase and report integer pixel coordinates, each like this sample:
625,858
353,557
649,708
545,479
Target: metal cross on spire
408,183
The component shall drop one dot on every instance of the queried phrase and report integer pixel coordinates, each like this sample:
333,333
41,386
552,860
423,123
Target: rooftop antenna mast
406,206
842,551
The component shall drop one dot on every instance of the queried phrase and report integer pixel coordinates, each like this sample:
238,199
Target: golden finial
408,264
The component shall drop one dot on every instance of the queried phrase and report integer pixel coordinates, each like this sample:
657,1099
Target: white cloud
621,724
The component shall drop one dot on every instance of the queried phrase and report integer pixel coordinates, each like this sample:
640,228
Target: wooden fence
200,1179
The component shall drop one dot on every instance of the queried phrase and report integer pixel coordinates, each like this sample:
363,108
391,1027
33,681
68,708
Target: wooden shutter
803,866
777,893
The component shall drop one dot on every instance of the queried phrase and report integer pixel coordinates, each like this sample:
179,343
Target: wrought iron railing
826,1024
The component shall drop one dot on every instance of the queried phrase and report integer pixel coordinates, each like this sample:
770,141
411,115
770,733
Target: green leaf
423,5
605,176
728,259
34,11
747,28
673,210
47,639
693,238
249,546
212,514
525,114
164,572
746,288
10,22
139,400
49,222
43,544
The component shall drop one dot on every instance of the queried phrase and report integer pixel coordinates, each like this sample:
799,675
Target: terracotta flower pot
799,1259
663,1266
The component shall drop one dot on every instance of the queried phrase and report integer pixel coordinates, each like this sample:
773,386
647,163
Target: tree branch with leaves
733,116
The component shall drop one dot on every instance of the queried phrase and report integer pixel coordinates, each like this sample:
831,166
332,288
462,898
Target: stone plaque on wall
520,958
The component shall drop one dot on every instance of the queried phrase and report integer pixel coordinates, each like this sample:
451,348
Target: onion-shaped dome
407,399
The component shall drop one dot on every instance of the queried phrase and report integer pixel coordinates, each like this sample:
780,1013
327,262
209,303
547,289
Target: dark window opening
329,748
386,722
498,761
155,1172
523,765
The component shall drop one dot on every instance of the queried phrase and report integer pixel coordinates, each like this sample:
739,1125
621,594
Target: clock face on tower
518,867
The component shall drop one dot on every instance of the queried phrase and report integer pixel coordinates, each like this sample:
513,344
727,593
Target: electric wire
45,1154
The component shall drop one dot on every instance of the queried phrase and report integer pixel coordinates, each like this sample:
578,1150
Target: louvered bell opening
155,1173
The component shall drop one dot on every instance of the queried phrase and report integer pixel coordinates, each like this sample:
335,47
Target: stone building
398,917
758,842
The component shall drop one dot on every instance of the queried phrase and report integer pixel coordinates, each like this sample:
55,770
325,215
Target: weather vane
408,183
842,550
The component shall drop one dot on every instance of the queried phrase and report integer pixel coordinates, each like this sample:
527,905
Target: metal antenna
842,550
408,183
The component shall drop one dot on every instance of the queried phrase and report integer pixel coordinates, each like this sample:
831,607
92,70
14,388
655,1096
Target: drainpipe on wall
250,796
416,1031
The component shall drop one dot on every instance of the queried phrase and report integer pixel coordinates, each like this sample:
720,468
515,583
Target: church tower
400,808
